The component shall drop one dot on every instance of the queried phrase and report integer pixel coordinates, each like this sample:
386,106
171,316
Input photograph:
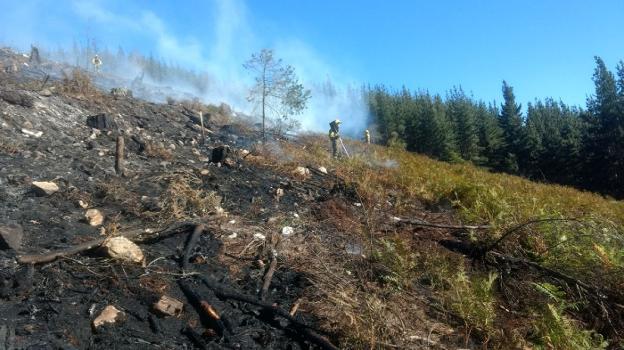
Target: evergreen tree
511,122
604,140
490,134
461,113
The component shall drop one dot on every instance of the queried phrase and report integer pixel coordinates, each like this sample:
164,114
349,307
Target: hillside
382,250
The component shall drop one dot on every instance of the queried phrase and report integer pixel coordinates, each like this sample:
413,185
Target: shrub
554,330
472,298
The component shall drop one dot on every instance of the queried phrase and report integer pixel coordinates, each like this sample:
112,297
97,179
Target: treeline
550,141
133,63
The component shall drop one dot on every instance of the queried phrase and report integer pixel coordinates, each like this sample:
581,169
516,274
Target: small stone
322,169
232,236
44,188
124,249
169,306
296,215
259,236
204,172
94,217
110,314
232,222
243,153
279,193
172,146
301,172
229,162
45,93
195,151
11,236
287,230
32,133
83,204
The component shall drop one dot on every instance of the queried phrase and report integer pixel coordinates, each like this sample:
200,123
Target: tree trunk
119,157
263,101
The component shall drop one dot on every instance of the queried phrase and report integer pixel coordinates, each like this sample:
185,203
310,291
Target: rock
110,314
243,153
44,188
322,169
279,193
45,93
259,236
11,236
301,172
219,211
17,98
92,144
196,152
101,122
94,217
33,133
124,249
121,92
229,162
168,306
219,153
204,172
232,236
287,230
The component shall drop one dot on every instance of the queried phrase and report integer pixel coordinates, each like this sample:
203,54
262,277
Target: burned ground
344,265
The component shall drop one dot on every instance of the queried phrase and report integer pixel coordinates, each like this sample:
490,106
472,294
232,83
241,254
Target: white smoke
232,40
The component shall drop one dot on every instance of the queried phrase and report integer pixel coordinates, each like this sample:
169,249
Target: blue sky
542,48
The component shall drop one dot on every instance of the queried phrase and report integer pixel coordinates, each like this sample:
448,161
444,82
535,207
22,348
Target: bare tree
277,89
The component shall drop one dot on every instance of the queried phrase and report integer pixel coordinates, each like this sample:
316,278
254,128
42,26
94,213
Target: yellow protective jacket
333,135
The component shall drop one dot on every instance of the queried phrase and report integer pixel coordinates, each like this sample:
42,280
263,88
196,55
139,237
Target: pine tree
461,113
511,122
604,139
491,142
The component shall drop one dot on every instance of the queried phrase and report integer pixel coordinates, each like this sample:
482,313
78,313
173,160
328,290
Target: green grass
590,247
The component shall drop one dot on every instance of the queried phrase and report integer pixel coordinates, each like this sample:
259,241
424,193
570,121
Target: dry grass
184,198
155,150
360,309
9,148
78,84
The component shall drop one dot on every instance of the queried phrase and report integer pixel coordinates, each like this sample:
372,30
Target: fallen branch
518,228
303,328
97,242
209,316
190,245
269,276
417,222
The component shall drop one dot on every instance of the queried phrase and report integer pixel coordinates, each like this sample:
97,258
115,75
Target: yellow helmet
337,121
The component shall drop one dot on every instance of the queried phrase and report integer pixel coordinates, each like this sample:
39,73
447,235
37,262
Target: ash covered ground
65,133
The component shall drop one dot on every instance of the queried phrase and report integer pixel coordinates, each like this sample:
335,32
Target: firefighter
97,62
367,137
334,136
